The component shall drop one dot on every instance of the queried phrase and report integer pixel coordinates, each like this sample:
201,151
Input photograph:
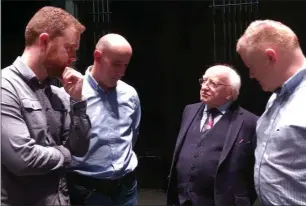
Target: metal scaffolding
230,19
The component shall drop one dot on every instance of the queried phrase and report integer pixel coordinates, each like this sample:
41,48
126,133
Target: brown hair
50,20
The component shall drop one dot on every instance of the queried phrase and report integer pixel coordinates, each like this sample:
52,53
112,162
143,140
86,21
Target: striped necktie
209,122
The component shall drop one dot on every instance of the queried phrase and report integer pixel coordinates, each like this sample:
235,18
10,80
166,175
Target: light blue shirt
280,167
115,117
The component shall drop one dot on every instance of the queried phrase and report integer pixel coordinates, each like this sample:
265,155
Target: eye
213,83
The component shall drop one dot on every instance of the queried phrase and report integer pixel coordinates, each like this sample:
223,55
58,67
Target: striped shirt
280,168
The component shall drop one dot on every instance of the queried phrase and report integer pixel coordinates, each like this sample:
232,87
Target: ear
229,93
97,55
43,40
271,54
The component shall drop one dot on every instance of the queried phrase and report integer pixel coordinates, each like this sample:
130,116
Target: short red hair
50,20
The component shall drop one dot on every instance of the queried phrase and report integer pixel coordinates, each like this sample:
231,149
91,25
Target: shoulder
127,91
194,105
248,116
10,80
8,73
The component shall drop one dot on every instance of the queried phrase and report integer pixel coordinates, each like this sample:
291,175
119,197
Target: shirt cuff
67,155
78,107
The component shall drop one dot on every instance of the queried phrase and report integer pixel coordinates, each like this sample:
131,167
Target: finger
66,71
61,80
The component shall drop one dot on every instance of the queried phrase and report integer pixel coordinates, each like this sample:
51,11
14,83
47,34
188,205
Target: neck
33,61
295,63
95,74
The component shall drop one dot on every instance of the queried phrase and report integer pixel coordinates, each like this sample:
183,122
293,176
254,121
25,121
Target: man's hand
72,81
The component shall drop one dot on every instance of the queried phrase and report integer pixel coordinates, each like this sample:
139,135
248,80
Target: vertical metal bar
235,22
224,31
230,31
240,18
103,11
94,21
214,31
108,11
256,9
246,13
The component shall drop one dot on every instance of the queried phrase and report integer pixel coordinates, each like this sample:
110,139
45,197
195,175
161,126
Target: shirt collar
25,71
93,83
291,84
222,109
28,75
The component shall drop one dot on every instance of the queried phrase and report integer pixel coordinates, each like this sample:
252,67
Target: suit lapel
192,113
233,130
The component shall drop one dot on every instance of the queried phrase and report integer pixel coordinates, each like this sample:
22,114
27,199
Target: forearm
79,129
20,152
22,156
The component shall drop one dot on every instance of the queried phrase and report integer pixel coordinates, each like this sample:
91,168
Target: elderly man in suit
214,155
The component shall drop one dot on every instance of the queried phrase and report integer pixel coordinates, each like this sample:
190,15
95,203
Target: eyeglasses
210,83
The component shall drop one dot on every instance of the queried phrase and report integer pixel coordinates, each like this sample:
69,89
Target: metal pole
214,31
224,31
94,21
235,23
230,31
107,10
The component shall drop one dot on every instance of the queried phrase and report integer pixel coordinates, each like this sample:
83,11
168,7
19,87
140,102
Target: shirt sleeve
136,117
77,129
20,154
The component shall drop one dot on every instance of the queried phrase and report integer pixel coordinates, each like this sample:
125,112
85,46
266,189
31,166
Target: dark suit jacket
234,183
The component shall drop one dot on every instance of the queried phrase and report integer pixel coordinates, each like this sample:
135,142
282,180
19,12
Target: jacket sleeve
20,154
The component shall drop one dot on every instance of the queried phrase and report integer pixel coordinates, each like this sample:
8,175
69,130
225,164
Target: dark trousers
86,190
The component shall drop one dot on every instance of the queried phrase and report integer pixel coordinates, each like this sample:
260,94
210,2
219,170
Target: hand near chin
72,81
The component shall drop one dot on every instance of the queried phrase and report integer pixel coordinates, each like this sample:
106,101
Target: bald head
111,58
114,42
267,33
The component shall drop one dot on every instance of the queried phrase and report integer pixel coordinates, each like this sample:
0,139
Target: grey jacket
34,162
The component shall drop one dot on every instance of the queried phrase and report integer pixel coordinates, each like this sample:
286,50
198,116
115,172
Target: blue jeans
123,194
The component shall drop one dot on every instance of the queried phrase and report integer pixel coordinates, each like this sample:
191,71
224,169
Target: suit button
196,155
193,167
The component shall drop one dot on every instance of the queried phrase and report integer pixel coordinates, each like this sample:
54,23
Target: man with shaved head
272,53
106,175
213,158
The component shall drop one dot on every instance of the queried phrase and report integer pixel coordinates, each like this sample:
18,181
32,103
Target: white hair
232,76
235,82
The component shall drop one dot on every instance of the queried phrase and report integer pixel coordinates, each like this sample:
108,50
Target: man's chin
266,89
55,73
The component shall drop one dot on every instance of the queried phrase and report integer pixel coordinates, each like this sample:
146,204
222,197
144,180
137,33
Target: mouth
205,95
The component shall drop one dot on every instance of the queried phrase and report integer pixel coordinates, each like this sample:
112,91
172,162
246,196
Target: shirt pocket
33,114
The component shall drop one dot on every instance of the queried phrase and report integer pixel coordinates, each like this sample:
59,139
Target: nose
204,86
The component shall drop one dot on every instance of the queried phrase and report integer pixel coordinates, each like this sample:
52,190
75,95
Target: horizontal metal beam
237,4
106,12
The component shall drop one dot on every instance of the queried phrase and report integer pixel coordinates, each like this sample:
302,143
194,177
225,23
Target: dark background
173,43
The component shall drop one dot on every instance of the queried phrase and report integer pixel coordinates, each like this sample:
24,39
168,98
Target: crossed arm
21,154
